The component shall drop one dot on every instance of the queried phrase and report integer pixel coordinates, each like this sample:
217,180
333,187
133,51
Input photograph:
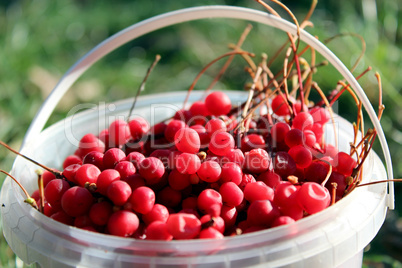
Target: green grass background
41,39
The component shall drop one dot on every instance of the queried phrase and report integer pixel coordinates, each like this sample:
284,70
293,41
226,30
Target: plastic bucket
334,237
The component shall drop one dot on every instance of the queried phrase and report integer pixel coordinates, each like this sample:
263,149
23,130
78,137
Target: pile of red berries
198,175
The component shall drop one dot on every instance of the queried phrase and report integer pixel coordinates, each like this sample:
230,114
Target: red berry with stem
76,201
119,192
218,103
142,200
87,173
309,138
209,171
187,140
123,223
183,226
221,143
119,132
313,197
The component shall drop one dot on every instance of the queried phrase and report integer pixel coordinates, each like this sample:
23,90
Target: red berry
279,106
118,192
258,191
187,140
303,121
142,200
87,173
151,169
119,132
76,201
257,161
188,163
221,143
112,157
54,191
183,226
301,155
262,213
172,128
138,127
232,195
218,103
210,202
209,171
279,131
123,223
313,197
158,230
231,172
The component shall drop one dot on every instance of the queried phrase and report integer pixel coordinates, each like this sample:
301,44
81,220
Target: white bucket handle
191,14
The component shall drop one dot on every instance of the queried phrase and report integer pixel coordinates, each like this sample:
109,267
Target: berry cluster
199,174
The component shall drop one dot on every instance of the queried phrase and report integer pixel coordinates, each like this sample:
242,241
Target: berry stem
142,85
29,199
240,52
57,174
230,59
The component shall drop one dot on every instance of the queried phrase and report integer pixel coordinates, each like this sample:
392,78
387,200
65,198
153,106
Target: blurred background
41,39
